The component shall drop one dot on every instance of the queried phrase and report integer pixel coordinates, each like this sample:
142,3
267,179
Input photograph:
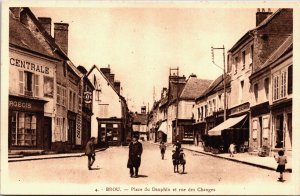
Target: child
231,149
281,160
162,147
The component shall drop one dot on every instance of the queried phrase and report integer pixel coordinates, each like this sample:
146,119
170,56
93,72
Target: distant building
109,108
139,124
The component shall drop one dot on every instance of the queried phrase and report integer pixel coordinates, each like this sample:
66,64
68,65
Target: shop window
23,129
60,134
290,80
279,131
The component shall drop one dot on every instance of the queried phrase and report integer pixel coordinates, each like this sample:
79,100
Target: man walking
90,152
134,159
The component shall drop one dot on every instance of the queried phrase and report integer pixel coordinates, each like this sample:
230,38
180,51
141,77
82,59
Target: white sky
141,44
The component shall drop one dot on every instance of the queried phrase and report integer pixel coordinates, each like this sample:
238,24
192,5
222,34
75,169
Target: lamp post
224,75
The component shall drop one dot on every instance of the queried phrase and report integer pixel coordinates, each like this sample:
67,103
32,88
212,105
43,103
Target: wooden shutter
21,82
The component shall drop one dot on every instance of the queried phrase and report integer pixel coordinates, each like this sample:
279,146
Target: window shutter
36,85
21,82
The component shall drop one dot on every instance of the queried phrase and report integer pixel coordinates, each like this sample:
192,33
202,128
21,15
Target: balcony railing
28,93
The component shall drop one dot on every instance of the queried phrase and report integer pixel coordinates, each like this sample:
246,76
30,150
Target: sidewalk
48,156
245,158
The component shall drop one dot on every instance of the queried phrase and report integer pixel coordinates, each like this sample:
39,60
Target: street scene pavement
110,168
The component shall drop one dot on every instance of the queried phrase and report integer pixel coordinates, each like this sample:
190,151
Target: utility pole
177,98
224,75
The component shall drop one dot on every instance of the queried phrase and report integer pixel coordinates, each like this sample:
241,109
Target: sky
141,43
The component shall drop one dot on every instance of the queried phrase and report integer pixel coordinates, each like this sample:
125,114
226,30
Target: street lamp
224,74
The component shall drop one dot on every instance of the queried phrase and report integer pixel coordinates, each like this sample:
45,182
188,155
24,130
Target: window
103,110
97,95
236,64
241,91
220,102
266,84
70,99
244,59
255,91
210,108
214,104
279,131
206,110
28,83
199,113
60,133
251,54
23,129
61,95
265,130
74,102
290,79
280,85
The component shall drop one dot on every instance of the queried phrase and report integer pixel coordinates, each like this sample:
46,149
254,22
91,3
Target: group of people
136,150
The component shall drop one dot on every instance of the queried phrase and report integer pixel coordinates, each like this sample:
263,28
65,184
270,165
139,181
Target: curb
239,161
38,157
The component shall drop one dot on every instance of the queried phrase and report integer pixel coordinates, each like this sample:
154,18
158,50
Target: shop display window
23,129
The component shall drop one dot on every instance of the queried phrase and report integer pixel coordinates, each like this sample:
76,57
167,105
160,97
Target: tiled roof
140,119
21,36
194,87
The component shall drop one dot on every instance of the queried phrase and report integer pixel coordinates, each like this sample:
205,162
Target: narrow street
110,168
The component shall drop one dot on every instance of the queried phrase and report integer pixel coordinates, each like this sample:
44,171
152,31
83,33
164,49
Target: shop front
27,128
282,126
71,128
109,132
185,130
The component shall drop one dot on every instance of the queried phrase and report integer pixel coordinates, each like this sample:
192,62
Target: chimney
112,78
261,15
61,35
46,23
143,109
117,86
106,72
164,92
175,78
16,11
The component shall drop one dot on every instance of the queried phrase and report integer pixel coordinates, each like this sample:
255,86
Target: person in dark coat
90,152
134,159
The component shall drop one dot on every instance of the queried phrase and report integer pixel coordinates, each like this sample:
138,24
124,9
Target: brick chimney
117,86
112,78
61,35
261,15
46,23
106,72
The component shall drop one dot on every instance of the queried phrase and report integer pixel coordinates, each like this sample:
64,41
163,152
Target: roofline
48,37
33,51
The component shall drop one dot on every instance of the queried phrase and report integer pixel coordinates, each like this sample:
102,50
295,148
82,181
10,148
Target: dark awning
225,125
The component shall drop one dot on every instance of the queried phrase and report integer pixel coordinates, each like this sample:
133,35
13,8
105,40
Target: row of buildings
258,95
53,104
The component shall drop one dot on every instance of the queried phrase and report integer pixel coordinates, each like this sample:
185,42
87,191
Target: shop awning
163,127
225,125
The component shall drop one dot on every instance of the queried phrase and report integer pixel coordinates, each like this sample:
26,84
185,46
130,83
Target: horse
178,158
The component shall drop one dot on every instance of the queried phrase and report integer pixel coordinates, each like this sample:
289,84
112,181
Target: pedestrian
281,160
177,146
90,152
162,147
231,149
134,159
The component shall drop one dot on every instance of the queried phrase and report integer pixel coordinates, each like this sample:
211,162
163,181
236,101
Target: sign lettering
29,65
19,104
